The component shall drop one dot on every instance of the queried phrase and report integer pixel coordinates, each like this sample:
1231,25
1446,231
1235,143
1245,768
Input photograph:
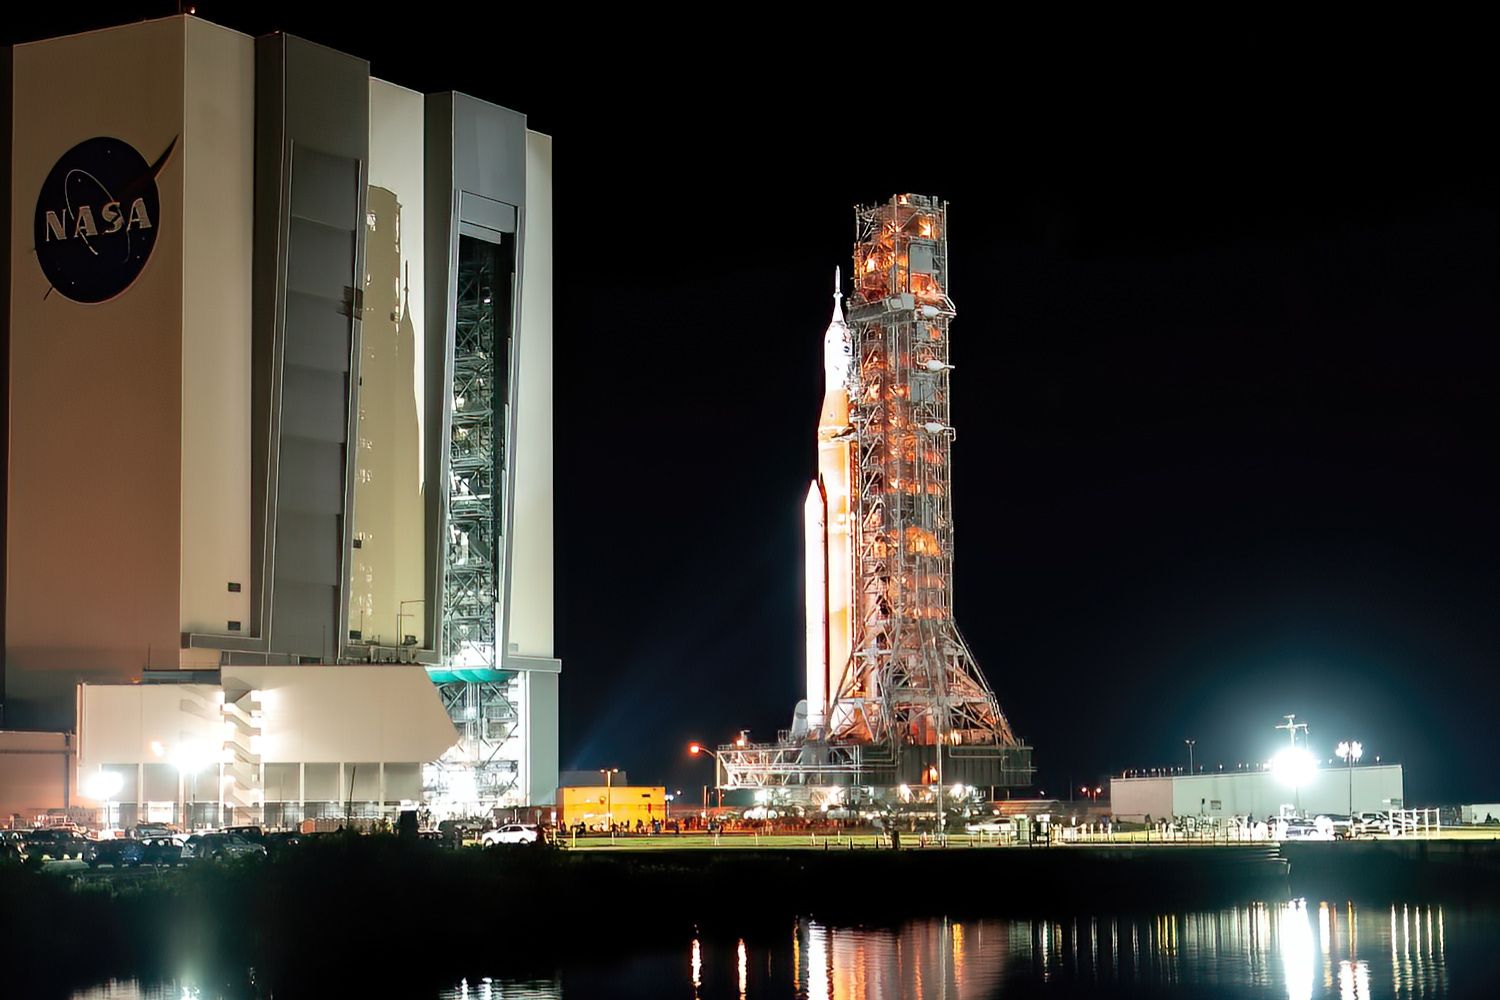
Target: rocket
827,528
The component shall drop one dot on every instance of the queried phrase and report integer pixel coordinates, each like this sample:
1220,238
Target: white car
1373,824
1303,830
513,833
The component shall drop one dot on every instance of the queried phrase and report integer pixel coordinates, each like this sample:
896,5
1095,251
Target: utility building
279,339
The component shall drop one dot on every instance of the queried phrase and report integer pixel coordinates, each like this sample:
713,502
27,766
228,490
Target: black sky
1226,363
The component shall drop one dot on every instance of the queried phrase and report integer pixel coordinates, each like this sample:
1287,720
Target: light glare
1294,766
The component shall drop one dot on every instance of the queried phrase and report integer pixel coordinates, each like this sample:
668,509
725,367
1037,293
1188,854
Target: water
1299,950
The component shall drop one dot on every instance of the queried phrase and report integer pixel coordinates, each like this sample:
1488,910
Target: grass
859,840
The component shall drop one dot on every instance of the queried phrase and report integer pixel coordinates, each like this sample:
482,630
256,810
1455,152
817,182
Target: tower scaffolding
482,770
910,703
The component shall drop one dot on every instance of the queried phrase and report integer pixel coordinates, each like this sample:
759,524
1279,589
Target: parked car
1372,824
55,845
250,833
1301,829
511,833
12,846
152,831
162,852
119,853
276,843
219,847
1342,826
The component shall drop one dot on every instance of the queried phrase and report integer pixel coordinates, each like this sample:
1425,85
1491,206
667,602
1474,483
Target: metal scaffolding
483,770
471,583
911,696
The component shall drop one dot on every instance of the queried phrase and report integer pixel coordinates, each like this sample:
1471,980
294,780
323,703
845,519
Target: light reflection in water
1296,935
1261,950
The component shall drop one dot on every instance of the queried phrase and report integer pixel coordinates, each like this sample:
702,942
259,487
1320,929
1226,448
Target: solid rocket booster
815,528
830,567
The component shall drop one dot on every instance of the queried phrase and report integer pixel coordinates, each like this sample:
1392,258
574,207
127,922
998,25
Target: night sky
1226,364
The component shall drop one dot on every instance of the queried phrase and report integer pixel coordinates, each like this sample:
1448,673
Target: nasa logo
97,217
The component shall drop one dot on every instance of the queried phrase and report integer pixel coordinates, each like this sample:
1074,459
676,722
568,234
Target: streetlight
401,617
1350,751
698,748
1190,745
104,786
609,792
189,757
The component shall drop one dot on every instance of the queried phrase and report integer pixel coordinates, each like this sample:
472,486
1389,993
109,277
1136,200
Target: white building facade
280,348
1259,794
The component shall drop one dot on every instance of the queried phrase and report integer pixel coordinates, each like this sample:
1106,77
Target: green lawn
866,840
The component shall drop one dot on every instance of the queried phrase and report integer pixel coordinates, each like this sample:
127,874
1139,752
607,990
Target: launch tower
895,698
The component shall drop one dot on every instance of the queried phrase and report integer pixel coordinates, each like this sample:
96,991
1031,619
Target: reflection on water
1298,950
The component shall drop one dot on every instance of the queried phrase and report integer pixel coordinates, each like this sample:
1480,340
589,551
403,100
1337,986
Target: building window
234,626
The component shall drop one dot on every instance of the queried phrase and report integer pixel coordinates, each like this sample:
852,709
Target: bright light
103,785
1350,751
190,757
157,748
958,791
694,749
1294,766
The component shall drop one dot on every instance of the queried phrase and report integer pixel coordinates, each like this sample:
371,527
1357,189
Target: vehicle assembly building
896,704
279,415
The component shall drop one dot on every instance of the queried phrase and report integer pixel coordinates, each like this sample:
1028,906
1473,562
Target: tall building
279,338
895,698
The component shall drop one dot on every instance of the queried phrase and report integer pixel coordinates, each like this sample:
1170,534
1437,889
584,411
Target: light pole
1190,745
189,758
609,800
401,618
698,748
1350,751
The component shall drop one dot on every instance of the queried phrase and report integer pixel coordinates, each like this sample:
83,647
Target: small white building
1329,790
272,745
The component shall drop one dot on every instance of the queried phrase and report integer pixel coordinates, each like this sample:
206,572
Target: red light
694,748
